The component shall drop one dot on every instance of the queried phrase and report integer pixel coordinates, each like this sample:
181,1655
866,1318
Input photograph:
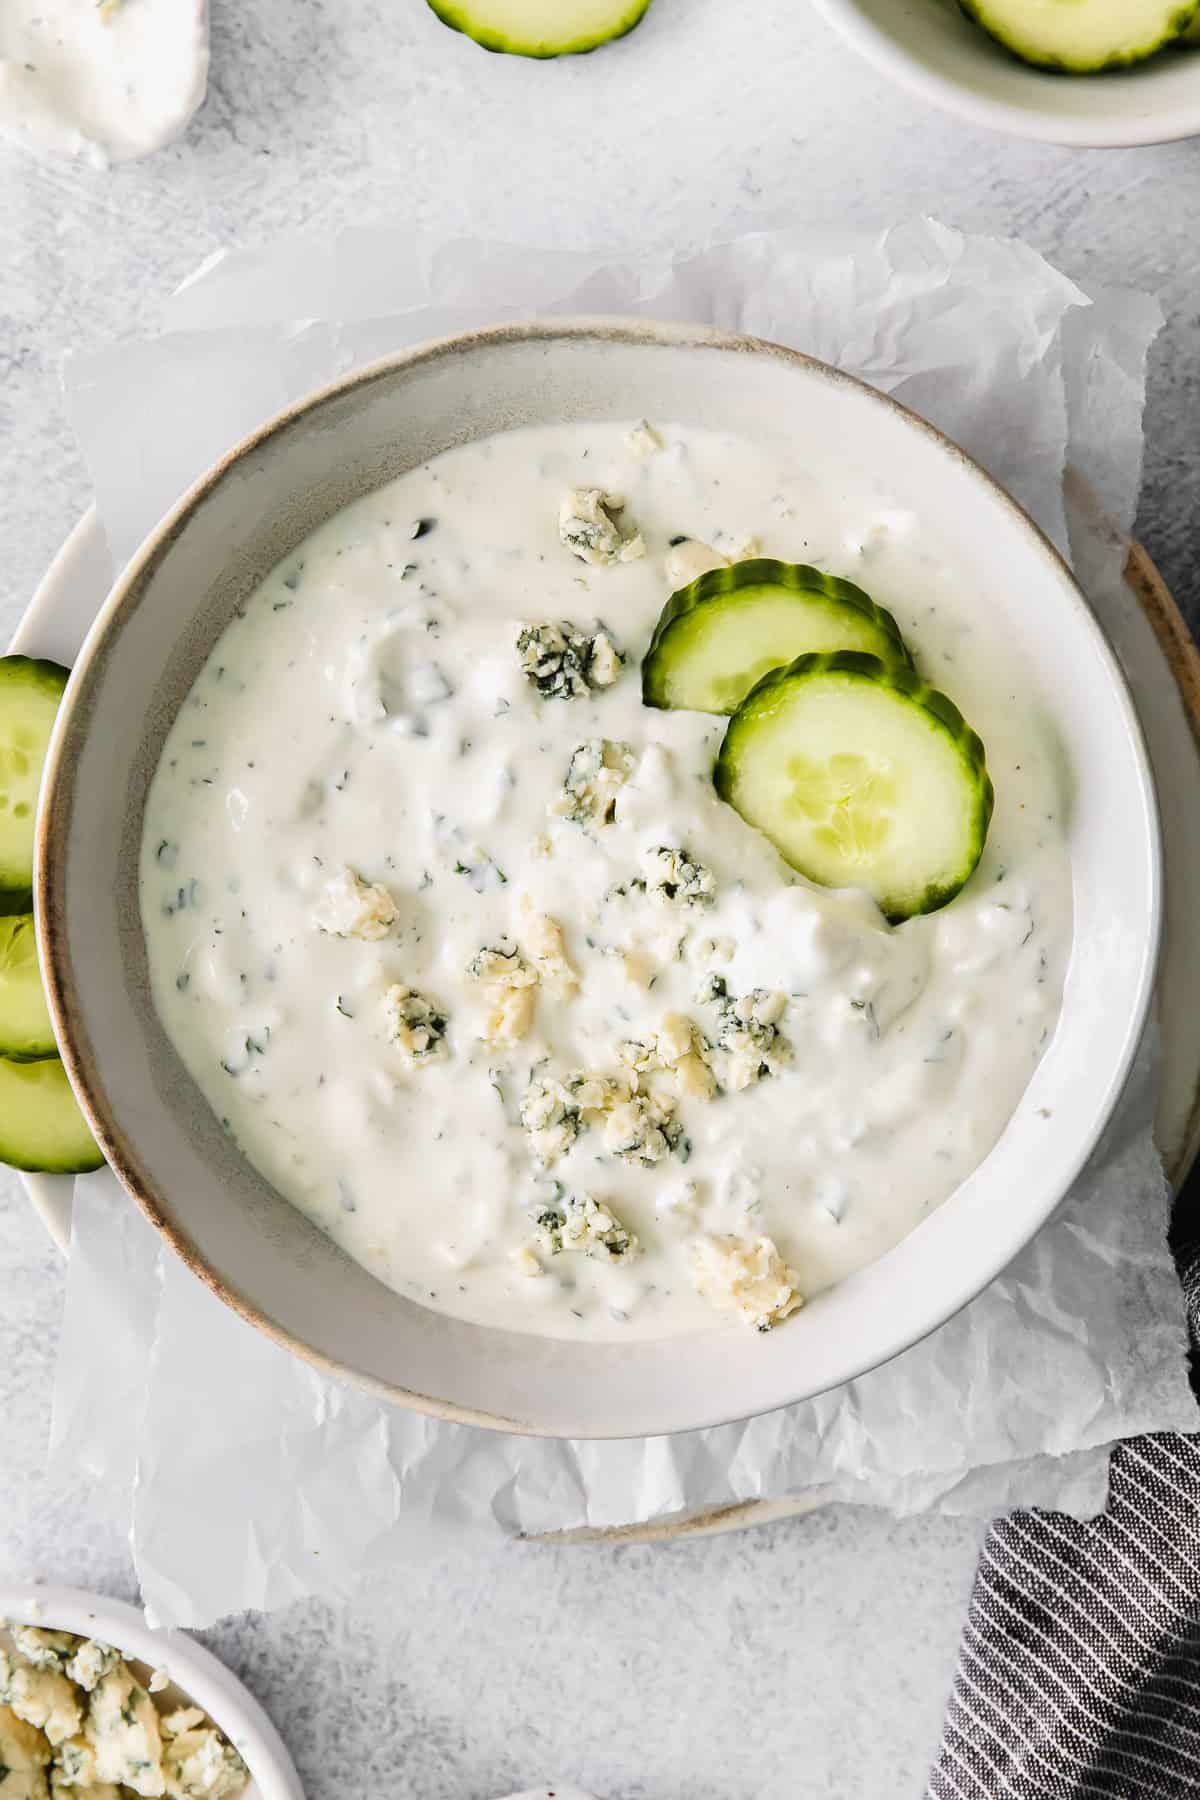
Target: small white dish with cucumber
1081,72
1086,72
789,676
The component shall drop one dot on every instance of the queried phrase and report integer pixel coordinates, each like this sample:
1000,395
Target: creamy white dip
365,790
103,79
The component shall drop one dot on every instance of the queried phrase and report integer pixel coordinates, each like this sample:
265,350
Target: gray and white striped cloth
1079,1668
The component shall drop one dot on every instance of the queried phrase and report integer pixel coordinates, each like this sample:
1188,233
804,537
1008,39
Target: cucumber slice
541,28
26,1033
861,776
715,639
1082,35
41,1126
29,695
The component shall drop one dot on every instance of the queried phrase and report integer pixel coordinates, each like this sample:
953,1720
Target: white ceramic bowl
196,1677
138,662
944,60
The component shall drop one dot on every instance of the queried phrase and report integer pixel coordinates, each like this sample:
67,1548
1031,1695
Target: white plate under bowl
261,1255
196,1677
931,49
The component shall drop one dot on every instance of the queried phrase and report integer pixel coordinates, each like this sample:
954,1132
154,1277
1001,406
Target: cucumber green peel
863,776
30,691
716,638
26,1034
541,28
1083,37
41,1126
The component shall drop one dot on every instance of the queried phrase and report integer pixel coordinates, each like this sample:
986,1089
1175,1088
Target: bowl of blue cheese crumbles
95,1706
610,840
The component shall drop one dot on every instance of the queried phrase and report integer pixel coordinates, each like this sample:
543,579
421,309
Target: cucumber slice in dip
715,639
26,1033
1082,36
861,776
541,28
29,695
41,1126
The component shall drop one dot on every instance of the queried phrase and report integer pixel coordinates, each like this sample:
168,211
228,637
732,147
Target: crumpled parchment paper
255,1480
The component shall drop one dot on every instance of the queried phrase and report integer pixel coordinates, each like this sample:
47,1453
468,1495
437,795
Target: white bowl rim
1039,124
193,1669
116,1143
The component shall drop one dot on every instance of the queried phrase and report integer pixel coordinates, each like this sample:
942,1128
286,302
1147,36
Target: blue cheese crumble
90,1662
555,1109
350,907
74,1769
634,1124
197,1762
24,1757
747,1033
581,1222
643,441
414,1025
587,527
123,1731
564,663
510,986
680,1049
509,979
44,1649
745,1276
643,1128
688,560
596,773
543,939
42,1697
676,878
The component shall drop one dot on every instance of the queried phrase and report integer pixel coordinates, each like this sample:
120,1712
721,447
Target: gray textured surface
808,1658
805,1659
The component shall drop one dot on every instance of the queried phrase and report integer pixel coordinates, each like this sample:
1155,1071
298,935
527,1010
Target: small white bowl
932,49
262,1256
196,1677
